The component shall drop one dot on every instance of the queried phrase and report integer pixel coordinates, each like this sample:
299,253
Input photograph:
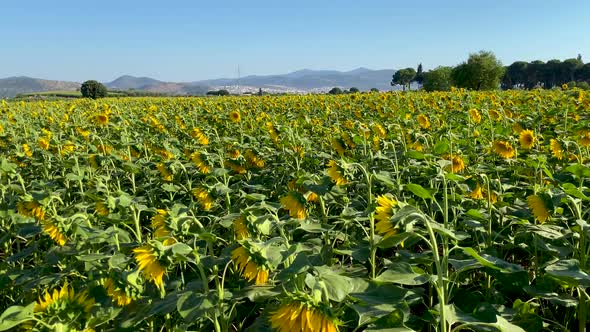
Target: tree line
483,71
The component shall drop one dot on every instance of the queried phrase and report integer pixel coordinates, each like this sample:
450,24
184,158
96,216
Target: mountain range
300,81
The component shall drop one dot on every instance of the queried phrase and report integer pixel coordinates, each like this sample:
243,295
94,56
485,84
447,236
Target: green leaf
384,178
441,147
419,191
402,273
569,272
579,170
192,305
16,315
337,286
493,262
415,155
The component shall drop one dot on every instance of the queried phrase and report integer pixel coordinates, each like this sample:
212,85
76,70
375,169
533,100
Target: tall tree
93,89
419,74
482,71
404,77
438,79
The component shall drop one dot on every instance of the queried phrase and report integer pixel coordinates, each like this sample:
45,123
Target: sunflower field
455,211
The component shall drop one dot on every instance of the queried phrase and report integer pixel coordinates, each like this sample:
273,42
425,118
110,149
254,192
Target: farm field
415,211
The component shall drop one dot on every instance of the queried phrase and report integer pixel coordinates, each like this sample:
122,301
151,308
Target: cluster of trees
338,91
218,93
528,75
483,71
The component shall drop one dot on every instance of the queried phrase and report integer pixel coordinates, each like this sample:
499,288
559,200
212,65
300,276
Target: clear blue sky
193,40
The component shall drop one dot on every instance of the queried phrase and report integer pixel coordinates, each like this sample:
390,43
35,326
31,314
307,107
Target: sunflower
495,115
65,298
538,207
272,132
423,121
294,202
384,211
102,119
379,130
556,149
83,132
92,161
117,292
27,150
249,269
299,316
161,229
235,116
517,128
527,139
204,198
199,161
335,173
197,134
476,193
458,164
338,145
253,160
164,172
101,209
504,149
149,264
31,209
44,143
235,166
241,228
348,140
474,115
54,233
585,140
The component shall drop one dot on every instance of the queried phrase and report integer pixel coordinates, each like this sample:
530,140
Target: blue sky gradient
194,40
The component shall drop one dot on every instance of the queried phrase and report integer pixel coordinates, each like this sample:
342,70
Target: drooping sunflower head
423,121
338,145
253,160
379,130
251,265
198,134
476,193
64,300
200,160
294,202
31,209
539,208
504,149
240,226
161,228
336,173
54,231
102,119
475,115
457,163
203,197
44,143
119,292
384,211
101,209
527,139
556,148
164,172
585,139
296,315
148,260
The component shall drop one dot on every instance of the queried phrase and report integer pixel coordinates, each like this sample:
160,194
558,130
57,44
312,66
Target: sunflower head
474,115
423,121
63,303
235,116
336,173
539,208
148,260
527,139
294,202
556,148
251,264
303,315
385,209
504,149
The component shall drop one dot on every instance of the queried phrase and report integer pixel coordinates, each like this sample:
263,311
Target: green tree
93,89
353,90
482,71
374,90
419,74
335,91
438,79
404,77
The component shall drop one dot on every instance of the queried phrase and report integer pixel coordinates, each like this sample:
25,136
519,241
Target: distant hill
305,80
11,86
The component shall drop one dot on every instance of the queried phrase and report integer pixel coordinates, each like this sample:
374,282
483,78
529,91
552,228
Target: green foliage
404,77
335,91
438,79
93,89
482,71
218,93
